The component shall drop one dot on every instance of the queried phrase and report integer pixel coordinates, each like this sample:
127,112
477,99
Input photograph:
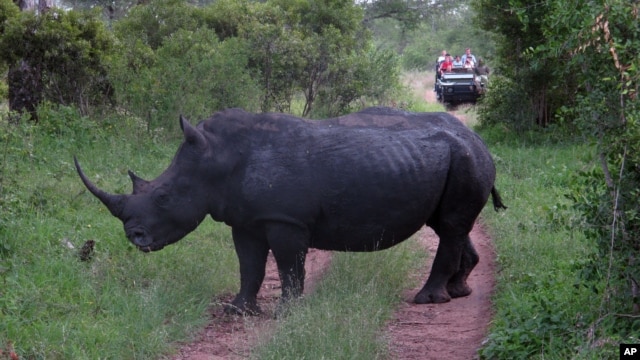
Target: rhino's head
162,211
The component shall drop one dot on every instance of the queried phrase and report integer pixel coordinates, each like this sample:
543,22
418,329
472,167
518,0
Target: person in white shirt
442,56
468,54
457,62
440,60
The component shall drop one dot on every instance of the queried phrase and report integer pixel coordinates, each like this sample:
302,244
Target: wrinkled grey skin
361,182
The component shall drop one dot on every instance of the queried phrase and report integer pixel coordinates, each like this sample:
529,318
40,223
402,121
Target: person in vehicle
469,63
441,58
457,62
468,54
446,65
439,61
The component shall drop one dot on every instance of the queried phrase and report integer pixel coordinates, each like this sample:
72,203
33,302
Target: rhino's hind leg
252,251
457,286
445,265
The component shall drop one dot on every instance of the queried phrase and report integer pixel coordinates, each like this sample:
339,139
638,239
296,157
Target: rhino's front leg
289,245
252,250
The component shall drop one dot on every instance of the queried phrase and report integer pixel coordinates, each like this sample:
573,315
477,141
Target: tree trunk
35,5
25,88
23,79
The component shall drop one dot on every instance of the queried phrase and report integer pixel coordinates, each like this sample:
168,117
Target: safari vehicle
460,86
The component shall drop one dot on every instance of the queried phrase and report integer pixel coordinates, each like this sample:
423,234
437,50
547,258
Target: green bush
502,105
543,307
191,73
369,76
56,56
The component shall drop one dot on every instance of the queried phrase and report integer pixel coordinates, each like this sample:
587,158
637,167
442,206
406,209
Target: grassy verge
343,318
542,309
122,304
418,84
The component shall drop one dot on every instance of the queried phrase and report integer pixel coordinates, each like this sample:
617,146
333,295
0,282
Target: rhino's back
356,189
359,182
382,194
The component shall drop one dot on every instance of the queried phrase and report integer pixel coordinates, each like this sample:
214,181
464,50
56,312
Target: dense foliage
574,65
168,57
440,25
55,56
602,46
518,26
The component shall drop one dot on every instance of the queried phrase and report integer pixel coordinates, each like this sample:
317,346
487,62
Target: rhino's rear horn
115,203
191,134
138,182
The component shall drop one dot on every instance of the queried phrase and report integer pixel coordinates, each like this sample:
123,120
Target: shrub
192,73
56,56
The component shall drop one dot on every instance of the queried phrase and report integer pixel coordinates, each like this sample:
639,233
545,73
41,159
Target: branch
605,167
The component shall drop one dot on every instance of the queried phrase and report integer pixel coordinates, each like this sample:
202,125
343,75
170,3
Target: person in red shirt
447,64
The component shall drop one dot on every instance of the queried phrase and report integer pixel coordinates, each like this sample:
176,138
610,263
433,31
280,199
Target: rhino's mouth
142,241
147,249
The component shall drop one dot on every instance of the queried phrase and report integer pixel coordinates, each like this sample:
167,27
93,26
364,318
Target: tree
518,25
55,56
600,41
454,32
299,46
31,5
409,13
586,53
172,62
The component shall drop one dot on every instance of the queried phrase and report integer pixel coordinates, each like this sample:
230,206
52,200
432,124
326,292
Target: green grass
418,84
344,317
542,309
123,304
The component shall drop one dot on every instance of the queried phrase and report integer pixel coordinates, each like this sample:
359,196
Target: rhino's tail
497,201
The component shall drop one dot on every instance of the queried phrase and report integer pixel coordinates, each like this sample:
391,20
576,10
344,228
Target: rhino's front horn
115,203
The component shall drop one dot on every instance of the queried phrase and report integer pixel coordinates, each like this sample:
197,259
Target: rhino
360,182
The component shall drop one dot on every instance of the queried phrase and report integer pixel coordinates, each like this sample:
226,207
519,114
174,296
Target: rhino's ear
138,182
191,134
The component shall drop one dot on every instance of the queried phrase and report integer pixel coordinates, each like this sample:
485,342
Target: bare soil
231,337
454,330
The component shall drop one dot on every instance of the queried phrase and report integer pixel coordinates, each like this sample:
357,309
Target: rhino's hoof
242,310
432,298
459,290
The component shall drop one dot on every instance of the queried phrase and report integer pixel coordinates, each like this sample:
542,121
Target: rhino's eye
161,199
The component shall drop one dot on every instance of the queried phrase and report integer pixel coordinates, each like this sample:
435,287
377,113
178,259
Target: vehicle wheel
451,106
